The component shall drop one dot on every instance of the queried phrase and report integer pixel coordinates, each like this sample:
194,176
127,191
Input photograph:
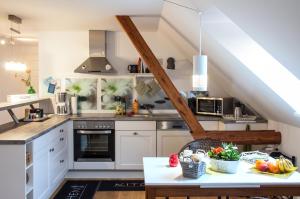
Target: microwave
209,106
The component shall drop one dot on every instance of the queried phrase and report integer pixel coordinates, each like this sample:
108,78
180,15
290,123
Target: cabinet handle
135,133
61,130
51,150
61,161
61,139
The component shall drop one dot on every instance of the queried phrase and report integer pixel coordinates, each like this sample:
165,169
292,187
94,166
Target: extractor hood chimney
97,62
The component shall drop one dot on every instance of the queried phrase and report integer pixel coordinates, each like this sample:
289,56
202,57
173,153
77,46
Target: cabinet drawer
57,144
58,131
50,137
136,125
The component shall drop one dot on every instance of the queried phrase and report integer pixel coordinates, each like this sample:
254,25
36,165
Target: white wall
61,52
26,53
290,138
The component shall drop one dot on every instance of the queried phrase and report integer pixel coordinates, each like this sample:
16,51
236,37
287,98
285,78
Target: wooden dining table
164,181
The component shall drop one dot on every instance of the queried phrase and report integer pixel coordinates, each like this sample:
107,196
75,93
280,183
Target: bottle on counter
135,106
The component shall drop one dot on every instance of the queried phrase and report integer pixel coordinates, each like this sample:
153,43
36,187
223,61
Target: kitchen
87,105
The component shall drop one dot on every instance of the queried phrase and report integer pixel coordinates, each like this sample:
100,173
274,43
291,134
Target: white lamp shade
200,73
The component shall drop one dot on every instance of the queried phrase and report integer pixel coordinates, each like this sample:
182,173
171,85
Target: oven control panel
83,124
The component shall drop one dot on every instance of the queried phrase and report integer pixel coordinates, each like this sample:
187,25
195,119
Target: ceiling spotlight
2,42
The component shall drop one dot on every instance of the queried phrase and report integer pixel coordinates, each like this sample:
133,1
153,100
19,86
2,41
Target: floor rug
121,185
77,190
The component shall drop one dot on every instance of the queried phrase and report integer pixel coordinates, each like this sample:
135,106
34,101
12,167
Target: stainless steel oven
94,144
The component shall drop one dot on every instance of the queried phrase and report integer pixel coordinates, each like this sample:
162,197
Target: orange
273,167
258,163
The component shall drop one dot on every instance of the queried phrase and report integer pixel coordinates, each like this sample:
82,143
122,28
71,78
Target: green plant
227,152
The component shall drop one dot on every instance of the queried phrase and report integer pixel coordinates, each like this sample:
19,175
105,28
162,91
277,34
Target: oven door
94,146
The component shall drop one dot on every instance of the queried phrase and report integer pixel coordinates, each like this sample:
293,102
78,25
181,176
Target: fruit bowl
278,166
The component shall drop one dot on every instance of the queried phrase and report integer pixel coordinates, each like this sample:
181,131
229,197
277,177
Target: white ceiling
76,15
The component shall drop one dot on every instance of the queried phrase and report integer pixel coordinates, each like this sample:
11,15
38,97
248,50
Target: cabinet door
132,146
58,168
41,174
169,142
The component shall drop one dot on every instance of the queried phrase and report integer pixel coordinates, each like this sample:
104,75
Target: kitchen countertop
26,132
29,131
154,117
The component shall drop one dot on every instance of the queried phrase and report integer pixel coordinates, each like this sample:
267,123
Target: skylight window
256,59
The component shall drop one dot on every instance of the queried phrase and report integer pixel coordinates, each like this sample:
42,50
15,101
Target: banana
280,165
287,165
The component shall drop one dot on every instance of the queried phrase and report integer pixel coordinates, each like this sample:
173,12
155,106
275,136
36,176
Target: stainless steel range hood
97,62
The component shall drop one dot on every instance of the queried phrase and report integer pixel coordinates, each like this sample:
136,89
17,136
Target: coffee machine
62,100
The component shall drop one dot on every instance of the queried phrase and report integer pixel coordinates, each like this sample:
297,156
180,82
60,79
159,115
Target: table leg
150,193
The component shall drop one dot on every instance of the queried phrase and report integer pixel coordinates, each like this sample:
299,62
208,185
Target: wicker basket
193,169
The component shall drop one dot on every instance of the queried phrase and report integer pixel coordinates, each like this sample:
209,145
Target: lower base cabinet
132,146
50,158
41,177
169,142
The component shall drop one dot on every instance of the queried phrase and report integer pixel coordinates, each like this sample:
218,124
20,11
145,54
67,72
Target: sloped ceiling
273,24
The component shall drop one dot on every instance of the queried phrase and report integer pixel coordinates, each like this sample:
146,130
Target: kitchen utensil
160,101
62,103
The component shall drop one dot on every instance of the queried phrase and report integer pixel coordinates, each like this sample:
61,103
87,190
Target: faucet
149,109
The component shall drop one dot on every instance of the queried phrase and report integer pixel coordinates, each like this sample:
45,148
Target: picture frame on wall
116,86
86,89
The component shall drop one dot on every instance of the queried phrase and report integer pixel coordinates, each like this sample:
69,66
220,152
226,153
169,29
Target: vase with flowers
26,79
224,158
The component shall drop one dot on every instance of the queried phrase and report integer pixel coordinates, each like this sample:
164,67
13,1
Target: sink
141,115
156,115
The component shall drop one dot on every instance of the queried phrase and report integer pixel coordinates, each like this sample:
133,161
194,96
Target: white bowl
224,166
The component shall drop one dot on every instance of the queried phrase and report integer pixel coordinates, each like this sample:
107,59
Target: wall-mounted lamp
2,41
15,66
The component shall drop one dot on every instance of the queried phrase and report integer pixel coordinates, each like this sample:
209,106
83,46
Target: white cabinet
41,175
134,140
172,141
242,126
132,146
50,153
